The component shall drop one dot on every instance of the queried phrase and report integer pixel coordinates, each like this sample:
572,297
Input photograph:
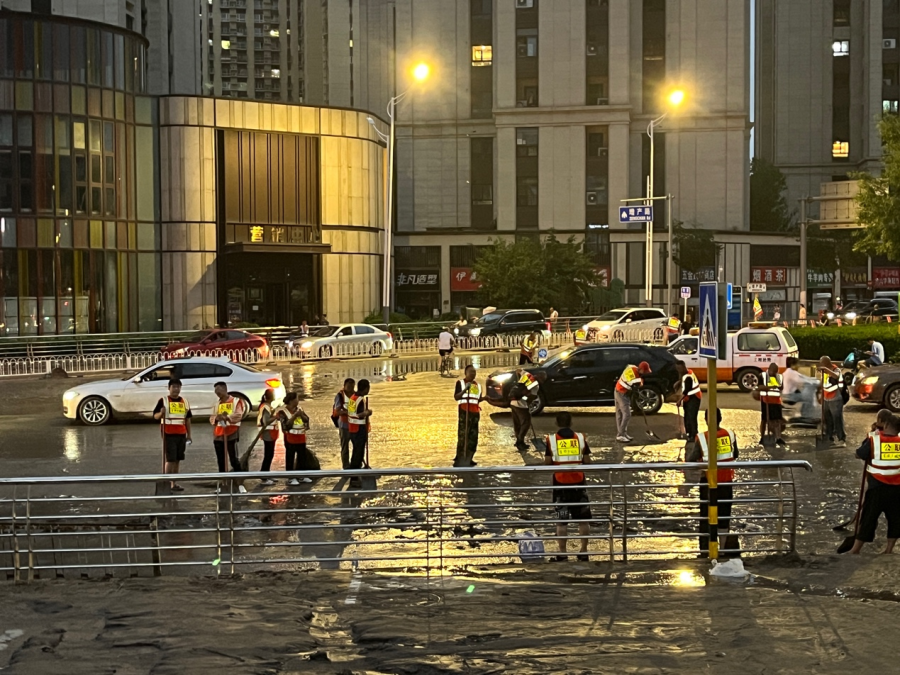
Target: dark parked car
206,342
880,385
505,321
586,376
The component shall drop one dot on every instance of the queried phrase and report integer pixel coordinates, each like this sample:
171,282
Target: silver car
348,339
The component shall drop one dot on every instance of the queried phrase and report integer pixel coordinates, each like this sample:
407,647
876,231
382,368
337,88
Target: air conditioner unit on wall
888,44
524,4
592,198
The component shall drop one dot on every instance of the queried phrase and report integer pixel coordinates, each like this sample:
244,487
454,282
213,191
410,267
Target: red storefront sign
769,275
886,277
463,279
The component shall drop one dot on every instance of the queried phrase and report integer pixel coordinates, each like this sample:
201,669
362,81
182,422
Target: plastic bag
730,569
531,547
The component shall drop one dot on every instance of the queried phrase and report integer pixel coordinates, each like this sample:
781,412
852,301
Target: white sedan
636,318
349,339
97,402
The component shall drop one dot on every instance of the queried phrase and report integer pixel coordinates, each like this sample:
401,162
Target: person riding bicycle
446,342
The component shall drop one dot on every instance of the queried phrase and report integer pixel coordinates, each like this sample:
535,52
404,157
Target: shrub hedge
838,341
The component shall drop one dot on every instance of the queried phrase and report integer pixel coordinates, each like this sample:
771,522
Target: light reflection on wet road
414,424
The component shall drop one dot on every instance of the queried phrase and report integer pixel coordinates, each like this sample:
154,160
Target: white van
750,351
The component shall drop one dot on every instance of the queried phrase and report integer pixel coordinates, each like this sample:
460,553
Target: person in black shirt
174,413
566,447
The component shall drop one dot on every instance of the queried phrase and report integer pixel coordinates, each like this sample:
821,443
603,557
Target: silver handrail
421,517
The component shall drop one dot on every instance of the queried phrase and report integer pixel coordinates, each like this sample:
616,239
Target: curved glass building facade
79,239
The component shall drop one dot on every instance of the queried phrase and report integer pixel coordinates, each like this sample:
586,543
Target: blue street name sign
635,214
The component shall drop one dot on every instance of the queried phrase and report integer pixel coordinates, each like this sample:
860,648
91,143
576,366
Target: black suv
505,321
586,376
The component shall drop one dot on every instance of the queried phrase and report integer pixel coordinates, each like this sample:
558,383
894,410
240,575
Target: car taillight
547,324
390,335
274,383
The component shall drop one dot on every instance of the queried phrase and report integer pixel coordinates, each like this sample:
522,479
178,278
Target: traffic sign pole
712,470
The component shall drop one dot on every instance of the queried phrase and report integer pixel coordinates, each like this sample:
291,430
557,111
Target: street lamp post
675,99
420,74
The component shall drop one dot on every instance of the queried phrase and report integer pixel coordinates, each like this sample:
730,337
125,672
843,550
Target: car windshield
558,358
614,315
197,337
323,331
489,318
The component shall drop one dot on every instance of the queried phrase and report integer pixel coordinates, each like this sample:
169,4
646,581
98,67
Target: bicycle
446,361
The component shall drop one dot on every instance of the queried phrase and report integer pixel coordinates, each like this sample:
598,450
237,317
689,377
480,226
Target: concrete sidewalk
819,614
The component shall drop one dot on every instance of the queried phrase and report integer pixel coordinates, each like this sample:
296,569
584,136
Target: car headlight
502,377
604,328
69,395
585,328
306,345
456,331
872,379
475,332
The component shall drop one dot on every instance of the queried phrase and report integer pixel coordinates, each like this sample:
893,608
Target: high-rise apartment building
825,71
535,118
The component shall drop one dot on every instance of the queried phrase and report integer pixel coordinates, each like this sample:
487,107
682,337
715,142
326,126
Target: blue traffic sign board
709,320
635,214
729,294
542,353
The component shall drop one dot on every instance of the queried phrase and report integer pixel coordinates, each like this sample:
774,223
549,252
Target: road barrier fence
70,527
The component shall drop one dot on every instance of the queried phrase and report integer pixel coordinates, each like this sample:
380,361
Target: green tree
878,200
534,273
769,210
695,247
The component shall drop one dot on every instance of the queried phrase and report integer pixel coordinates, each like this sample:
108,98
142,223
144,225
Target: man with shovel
690,401
468,395
832,402
523,392
881,452
771,415
627,386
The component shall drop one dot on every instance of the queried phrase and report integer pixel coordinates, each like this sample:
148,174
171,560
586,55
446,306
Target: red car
207,342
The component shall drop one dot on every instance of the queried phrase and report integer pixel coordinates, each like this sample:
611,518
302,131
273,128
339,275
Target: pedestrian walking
339,418
226,421
268,425
523,392
801,315
295,424
627,386
726,451
174,413
691,397
526,351
881,452
468,395
771,415
833,401
565,448
359,424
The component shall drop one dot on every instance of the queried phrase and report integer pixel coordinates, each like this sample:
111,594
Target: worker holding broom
468,395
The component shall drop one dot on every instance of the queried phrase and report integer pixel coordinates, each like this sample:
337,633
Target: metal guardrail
115,525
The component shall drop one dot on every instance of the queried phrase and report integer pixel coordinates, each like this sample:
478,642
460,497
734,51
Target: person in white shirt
876,353
446,342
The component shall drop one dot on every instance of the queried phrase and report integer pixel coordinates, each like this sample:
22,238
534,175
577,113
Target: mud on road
797,615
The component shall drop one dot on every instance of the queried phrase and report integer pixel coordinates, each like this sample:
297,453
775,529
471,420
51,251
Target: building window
482,183
527,191
840,150
527,179
889,74
653,34
597,52
526,142
482,55
226,44
596,178
890,106
841,13
840,47
526,56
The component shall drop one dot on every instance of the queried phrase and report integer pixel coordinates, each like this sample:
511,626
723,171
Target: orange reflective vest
772,395
693,388
629,378
174,416
471,394
831,391
355,407
885,463
725,444
234,408
271,429
296,431
567,451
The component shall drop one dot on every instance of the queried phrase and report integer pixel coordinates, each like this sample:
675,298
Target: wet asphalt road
414,425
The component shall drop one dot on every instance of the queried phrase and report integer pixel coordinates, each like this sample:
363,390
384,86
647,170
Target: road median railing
69,527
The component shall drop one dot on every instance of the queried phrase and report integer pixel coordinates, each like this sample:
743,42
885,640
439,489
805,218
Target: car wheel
748,379
377,349
536,406
648,399
326,352
94,411
248,407
892,399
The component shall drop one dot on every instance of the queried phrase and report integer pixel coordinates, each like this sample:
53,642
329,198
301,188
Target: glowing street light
420,73
676,98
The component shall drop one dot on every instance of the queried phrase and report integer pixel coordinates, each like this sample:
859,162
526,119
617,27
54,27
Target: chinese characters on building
276,234
769,275
703,274
404,279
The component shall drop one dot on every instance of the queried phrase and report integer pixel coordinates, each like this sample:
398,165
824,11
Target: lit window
841,47
891,106
226,44
274,32
482,55
276,72
840,150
